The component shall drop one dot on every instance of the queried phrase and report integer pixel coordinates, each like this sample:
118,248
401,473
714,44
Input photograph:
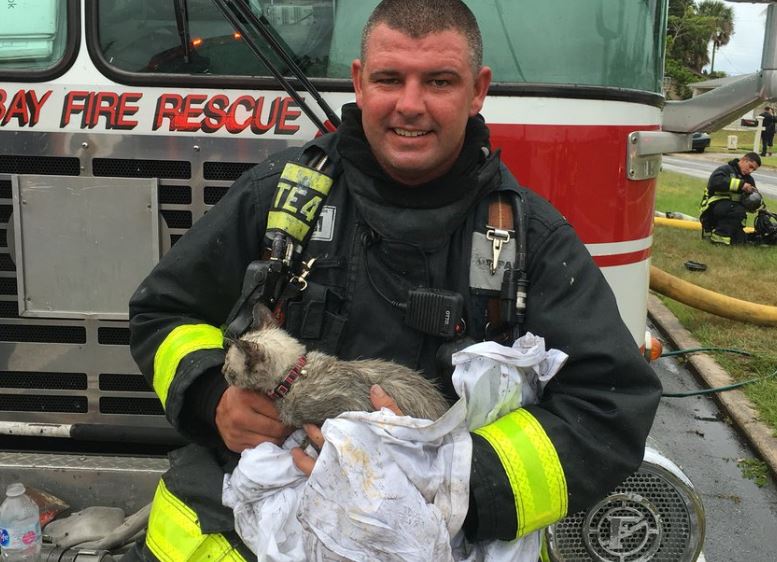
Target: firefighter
415,175
767,134
722,213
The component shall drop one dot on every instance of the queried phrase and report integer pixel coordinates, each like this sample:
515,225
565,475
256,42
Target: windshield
613,43
33,35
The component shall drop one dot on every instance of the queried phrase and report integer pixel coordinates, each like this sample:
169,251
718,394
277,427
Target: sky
742,55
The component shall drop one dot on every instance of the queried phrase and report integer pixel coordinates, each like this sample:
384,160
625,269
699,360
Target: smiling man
407,214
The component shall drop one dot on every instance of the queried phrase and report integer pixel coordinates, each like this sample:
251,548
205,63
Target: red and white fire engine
123,121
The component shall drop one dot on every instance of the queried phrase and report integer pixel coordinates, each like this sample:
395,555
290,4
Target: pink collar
284,387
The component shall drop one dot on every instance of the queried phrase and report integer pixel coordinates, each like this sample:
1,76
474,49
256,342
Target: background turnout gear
594,416
722,213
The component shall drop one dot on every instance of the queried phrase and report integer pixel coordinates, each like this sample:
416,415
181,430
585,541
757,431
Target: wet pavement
705,442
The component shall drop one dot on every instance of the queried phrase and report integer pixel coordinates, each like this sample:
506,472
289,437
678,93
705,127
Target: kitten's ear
263,318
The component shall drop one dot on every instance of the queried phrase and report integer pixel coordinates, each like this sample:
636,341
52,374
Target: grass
745,272
755,470
719,144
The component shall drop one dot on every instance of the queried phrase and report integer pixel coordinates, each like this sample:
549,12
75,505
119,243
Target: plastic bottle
20,536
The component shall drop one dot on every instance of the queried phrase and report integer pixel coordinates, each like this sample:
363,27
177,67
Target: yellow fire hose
686,224
709,301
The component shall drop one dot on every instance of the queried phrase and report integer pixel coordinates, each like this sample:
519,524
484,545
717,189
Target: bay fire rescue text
206,113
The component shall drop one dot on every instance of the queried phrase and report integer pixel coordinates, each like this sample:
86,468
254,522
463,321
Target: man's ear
262,317
482,83
356,78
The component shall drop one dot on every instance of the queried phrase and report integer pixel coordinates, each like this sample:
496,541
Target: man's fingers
302,461
380,399
314,434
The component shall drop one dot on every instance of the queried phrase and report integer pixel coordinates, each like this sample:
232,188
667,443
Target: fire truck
123,121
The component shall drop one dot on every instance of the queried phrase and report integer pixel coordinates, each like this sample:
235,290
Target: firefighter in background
416,176
767,134
723,212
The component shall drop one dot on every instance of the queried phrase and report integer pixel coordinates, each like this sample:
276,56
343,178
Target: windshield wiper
182,23
248,25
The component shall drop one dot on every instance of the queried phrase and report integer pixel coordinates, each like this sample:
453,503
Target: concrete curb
733,402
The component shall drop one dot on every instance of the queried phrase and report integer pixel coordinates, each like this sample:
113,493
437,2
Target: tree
722,23
690,29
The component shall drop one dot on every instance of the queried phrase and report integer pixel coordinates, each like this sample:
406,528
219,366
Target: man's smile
408,133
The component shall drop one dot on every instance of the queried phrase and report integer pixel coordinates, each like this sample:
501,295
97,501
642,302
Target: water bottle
20,536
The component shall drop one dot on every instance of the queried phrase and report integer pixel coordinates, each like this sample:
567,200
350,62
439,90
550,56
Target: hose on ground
710,301
718,388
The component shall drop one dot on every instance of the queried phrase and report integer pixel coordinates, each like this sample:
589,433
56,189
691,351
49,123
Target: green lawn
719,144
743,272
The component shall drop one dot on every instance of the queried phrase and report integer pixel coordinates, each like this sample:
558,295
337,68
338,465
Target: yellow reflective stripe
307,177
292,226
174,534
533,468
182,341
733,184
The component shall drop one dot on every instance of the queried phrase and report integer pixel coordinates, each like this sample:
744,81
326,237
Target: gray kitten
261,359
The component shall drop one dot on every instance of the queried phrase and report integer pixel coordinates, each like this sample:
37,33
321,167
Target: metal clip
301,278
499,238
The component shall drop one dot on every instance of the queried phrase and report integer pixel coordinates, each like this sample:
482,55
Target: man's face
747,166
416,96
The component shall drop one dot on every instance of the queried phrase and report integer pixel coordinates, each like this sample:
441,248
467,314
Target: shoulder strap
507,312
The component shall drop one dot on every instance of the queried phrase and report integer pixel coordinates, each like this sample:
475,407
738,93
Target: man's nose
411,99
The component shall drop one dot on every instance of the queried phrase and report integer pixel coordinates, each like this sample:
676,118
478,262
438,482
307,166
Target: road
741,517
700,167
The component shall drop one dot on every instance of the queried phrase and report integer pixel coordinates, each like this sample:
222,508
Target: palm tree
721,19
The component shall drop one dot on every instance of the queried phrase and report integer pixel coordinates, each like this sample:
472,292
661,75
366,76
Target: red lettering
36,105
215,113
257,126
189,111
126,110
167,107
17,109
246,102
105,105
75,102
3,96
289,112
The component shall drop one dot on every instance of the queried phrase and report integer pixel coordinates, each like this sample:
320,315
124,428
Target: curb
734,403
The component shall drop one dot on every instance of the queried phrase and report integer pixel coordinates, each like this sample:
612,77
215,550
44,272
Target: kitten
262,358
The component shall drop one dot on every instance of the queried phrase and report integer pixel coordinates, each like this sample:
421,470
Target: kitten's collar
285,386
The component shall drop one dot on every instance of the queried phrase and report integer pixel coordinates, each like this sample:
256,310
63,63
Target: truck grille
80,371
653,515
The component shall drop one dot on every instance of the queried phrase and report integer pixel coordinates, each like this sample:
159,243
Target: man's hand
305,462
747,188
246,418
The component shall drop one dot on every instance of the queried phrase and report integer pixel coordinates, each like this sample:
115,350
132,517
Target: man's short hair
753,157
418,18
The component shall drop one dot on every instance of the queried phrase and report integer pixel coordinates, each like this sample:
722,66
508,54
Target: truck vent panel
175,238
43,165
131,406
7,286
124,383
177,219
42,334
3,237
129,168
5,212
5,189
113,336
36,403
9,309
175,194
6,263
228,171
213,194
53,381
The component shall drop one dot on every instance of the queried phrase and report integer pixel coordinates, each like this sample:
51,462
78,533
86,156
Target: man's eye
387,81
440,83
